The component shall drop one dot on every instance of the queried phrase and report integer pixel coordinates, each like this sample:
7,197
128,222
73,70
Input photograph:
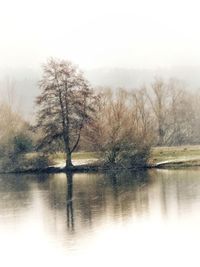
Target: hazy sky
93,34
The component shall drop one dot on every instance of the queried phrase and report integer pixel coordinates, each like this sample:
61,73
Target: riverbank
160,157
175,157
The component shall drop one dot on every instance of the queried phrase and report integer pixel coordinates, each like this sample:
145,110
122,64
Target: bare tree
65,105
141,116
159,103
180,114
122,140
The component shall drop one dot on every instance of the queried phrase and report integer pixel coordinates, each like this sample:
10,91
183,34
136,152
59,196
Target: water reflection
70,212
82,213
89,198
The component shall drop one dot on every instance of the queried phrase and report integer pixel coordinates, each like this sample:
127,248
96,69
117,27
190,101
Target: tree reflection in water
89,197
70,212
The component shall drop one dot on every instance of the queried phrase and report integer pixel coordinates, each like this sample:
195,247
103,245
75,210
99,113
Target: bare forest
121,125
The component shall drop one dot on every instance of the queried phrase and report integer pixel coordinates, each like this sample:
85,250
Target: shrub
127,155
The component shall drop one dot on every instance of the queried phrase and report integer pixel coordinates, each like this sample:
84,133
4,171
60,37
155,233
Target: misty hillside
23,84
25,81
133,78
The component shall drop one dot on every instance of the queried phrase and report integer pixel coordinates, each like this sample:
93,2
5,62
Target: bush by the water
24,162
127,155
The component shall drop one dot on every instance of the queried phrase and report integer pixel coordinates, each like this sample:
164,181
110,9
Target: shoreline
160,158
171,164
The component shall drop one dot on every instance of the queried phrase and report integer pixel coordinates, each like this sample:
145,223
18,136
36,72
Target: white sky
100,33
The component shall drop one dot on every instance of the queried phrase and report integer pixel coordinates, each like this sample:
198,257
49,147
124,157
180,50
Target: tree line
120,124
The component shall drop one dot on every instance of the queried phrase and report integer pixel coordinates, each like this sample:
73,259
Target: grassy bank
161,157
182,156
158,155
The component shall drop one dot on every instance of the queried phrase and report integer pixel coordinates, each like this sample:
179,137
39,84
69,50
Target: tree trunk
69,159
68,152
160,136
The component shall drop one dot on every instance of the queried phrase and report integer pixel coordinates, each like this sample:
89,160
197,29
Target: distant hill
25,81
134,78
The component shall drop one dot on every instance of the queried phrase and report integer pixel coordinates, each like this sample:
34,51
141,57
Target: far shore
161,157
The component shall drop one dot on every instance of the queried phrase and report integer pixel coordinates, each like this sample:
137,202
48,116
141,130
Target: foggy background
116,43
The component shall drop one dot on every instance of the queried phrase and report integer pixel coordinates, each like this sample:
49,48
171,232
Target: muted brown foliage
65,105
122,128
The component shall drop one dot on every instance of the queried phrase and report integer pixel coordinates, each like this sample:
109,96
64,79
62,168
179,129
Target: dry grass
185,153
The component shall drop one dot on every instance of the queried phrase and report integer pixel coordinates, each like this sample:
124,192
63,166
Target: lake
149,218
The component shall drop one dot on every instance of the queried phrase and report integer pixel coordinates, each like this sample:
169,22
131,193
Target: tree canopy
65,105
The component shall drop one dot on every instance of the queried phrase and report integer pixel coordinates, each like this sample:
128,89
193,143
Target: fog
96,34
116,43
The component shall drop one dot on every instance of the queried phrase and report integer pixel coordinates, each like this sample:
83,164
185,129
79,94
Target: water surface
127,219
